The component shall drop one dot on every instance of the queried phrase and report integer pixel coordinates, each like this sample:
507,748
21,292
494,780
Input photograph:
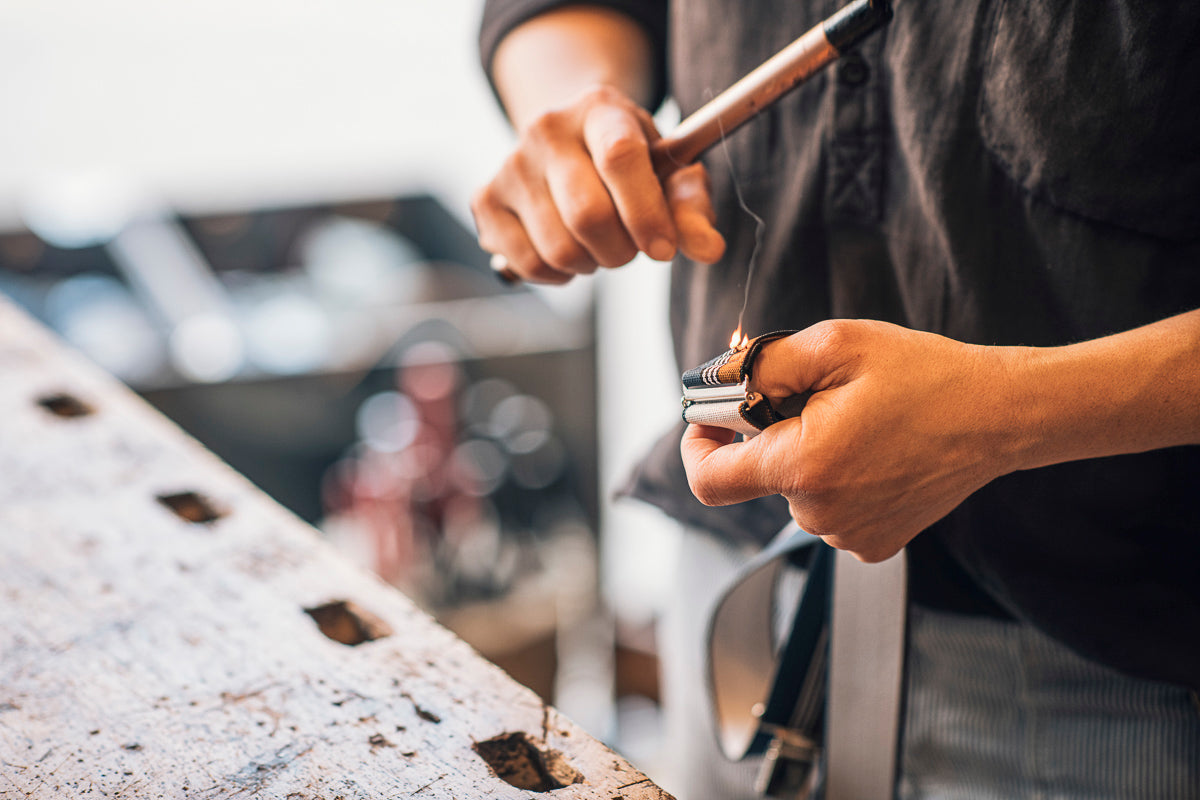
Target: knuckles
604,95
593,220
619,152
833,337
544,131
568,256
483,200
587,216
689,183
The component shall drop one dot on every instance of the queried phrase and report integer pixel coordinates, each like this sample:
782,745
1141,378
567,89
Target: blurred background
256,215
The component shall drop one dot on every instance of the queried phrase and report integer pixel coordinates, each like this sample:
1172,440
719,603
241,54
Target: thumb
721,471
690,199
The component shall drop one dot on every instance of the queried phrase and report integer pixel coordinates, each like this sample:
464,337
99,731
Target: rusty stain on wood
192,507
345,622
527,764
65,405
136,662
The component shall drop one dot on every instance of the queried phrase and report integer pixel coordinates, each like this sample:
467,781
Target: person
984,222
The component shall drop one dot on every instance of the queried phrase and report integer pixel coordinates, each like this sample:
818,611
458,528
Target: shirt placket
855,179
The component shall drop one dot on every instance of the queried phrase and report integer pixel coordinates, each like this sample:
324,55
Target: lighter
717,392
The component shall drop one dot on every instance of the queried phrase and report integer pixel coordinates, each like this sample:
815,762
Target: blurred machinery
361,364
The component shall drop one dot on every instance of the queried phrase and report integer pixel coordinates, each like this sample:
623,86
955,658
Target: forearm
579,191
1126,393
549,60
902,426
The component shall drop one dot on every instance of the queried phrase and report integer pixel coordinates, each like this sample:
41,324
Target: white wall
234,102
239,103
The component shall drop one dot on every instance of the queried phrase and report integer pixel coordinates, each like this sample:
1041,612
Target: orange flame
739,340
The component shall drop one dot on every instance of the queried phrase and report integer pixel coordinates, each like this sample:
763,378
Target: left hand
580,192
901,427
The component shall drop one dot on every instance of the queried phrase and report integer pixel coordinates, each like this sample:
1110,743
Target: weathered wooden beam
166,630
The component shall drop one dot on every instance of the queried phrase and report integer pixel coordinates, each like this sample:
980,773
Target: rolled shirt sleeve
501,16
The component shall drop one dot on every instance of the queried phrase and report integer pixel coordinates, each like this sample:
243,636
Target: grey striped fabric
995,711
998,711
722,415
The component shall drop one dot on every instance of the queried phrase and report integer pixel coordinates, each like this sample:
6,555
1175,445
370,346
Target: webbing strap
866,678
840,692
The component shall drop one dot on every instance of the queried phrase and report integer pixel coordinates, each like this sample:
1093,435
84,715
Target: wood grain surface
161,631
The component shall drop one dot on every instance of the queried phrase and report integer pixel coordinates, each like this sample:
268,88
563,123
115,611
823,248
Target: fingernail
661,250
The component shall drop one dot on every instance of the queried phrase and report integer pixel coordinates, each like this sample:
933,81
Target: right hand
580,192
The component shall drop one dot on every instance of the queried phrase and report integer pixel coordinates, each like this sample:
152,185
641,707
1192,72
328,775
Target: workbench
168,631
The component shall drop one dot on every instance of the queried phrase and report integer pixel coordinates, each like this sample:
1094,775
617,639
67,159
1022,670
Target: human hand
901,427
581,192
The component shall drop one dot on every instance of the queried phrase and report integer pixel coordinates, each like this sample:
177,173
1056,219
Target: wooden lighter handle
736,105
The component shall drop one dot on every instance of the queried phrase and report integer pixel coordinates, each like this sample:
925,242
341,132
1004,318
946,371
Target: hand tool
757,90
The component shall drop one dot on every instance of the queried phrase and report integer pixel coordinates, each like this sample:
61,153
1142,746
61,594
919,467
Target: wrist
1027,407
555,57
1126,393
1059,407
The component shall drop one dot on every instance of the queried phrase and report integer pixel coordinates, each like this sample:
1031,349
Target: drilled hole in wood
519,761
192,507
65,405
347,623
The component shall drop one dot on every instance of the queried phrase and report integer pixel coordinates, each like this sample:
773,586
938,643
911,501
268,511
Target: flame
739,340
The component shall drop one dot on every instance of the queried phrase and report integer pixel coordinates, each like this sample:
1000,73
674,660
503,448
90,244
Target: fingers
690,197
579,192
619,144
501,232
589,216
775,369
721,471
820,357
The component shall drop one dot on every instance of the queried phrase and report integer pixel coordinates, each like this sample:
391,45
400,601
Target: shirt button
853,70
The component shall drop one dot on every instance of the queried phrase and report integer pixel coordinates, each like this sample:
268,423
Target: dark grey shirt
998,172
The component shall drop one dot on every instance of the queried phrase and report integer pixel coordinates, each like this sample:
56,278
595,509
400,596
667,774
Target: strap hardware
789,764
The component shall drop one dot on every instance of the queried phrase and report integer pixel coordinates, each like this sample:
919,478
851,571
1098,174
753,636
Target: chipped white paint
144,656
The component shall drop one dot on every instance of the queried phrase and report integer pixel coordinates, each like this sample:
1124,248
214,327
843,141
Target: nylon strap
866,672
745,670
771,699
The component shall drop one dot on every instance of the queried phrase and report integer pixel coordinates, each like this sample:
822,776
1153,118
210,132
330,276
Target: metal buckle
789,766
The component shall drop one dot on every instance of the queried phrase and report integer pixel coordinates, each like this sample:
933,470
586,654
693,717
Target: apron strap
838,682
866,677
